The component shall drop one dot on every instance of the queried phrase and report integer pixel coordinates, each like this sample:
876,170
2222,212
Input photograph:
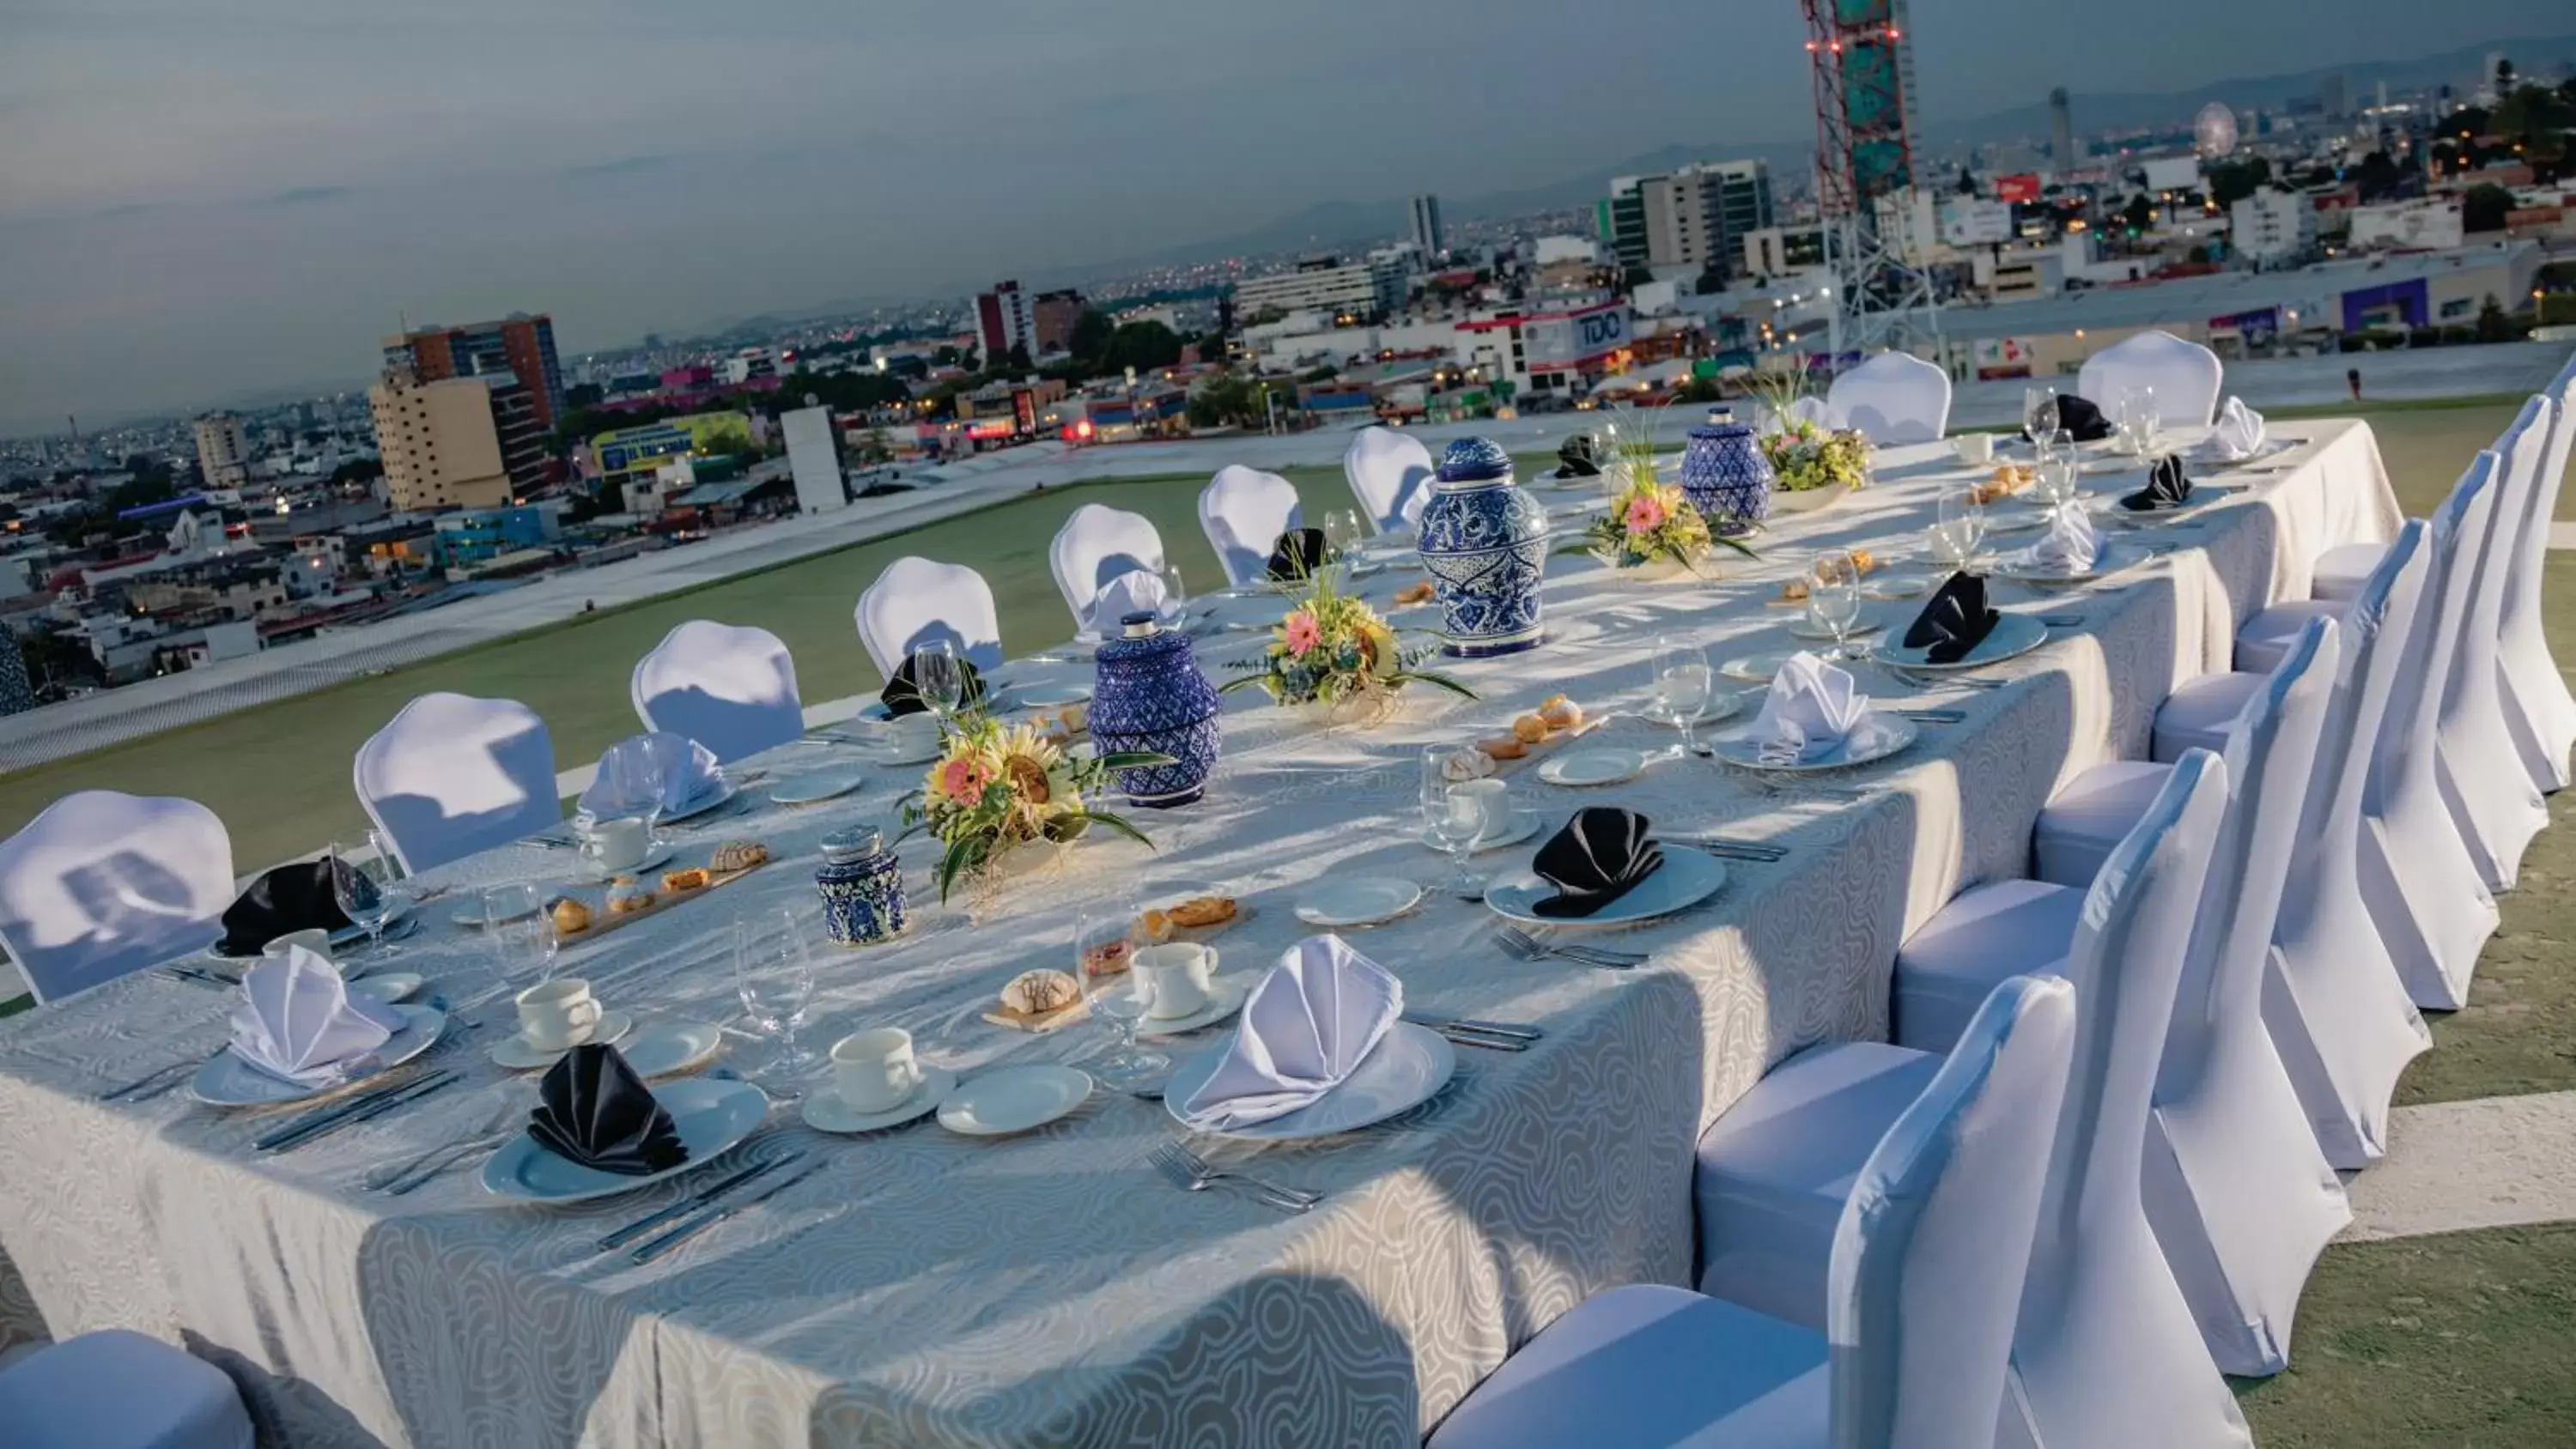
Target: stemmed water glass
1958,526
1176,595
1452,818
520,933
1342,534
1682,686
2057,477
2038,411
773,975
362,885
1833,596
2138,419
1099,933
936,676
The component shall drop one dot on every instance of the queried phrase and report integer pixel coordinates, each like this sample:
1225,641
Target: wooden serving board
602,922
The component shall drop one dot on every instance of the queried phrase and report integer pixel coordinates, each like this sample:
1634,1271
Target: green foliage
1235,400
1092,330
2378,176
2493,324
2232,181
2484,206
2139,214
842,392
584,395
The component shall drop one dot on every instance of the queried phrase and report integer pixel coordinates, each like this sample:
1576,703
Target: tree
1240,401
2378,177
720,439
1967,182
2484,207
2139,214
2232,181
584,395
2536,119
842,392
1143,346
876,447
2493,324
1092,330
1018,361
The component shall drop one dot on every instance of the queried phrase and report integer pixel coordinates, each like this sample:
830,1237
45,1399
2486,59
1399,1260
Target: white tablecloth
925,1288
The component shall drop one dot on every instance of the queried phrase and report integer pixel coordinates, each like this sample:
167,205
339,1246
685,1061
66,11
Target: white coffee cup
614,845
1976,448
874,1070
1493,806
1178,979
558,1015
311,938
911,734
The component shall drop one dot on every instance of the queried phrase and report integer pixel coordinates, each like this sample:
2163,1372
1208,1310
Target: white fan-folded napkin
2239,434
2069,547
1133,592
1306,1027
659,771
298,1021
1812,710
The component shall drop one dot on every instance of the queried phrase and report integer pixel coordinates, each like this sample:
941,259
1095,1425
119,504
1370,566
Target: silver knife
306,1127
647,1223
665,1243
1489,1028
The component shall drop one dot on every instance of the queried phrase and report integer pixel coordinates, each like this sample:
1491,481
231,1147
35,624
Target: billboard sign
2258,328
2173,173
1564,339
2002,357
1969,221
2021,190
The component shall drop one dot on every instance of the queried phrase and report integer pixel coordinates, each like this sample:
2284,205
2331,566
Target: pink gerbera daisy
1645,513
962,780
1303,634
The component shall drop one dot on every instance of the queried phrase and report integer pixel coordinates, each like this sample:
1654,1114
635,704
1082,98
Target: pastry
1529,729
1033,992
627,895
2004,482
1075,717
1460,766
1108,958
1561,713
1155,926
1863,560
1202,911
695,878
1416,593
1509,747
571,917
736,855
1794,592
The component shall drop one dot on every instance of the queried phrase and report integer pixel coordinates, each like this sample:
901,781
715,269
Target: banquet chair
1390,474
731,689
2538,705
117,1389
1243,511
2481,772
452,775
916,602
1097,544
2237,1183
2336,574
2185,375
2106,1354
1892,398
103,884
1928,1259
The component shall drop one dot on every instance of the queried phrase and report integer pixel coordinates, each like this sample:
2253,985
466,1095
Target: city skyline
206,209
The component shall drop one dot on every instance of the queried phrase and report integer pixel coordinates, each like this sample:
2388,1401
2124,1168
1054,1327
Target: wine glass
520,933
936,677
1833,596
773,975
2138,419
1958,526
1342,533
1452,818
1682,686
362,886
2057,478
1103,936
1176,595
2038,411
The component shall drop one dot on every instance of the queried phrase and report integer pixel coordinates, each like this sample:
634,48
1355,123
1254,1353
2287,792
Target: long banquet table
927,1288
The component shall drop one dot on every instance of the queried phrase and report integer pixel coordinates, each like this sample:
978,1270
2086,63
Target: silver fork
1527,947
1176,1163
413,1172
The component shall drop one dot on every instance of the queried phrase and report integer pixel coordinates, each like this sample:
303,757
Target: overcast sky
204,197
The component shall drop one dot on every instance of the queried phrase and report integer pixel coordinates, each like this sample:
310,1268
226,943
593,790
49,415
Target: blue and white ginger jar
862,887
1725,476
1150,695
1484,543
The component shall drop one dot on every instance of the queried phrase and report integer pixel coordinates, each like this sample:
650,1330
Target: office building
2062,145
2331,97
1051,320
2273,225
223,452
1002,322
441,440
519,345
1356,290
1428,238
1696,217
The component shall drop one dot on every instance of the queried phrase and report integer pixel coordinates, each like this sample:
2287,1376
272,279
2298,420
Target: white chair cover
2538,704
1894,398
1097,544
1243,511
452,775
102,884
2421,884
1390,474
2336,1007
731,689
2483,778
117,1389
915,602
2239,1192
2185,375
1928,1259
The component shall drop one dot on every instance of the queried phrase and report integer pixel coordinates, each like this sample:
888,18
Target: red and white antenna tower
1864,69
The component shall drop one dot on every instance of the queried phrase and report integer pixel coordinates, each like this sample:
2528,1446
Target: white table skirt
924,1288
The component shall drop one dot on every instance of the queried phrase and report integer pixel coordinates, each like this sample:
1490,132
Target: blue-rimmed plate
1686,878
711,1115
2012,636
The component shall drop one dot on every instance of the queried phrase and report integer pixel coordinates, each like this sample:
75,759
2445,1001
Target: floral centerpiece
1648,524
1332,650
995,788
1804,454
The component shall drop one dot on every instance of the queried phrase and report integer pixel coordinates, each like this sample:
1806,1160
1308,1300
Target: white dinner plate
824,1111
887,749
1054,696
2015,520
1894,732
1525,823
395,928
388,987
1407,1068
711,1114
2107,559
228,1081
724,791
672,1047
659,855
1904,587
2206,452
1806,627
1014,1099
1360,902
1601,765
2013,634
1753,668
2110,465
519,1055
1225,998
808,789
1686,878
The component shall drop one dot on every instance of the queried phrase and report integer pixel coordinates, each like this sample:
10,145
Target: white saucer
1363,902
1586,768
514,1052
824,1111
1900,588
1014,1099
1753,668
826,785
671,1048
1225,998
1054,696
388,987
725,790
1525,823
593,872
1805,627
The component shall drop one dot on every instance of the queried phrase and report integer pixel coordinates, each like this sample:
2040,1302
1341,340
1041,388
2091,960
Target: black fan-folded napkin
1955,621
290,898
2167,487
2079,418
1299,552
593,1109
901,696
1578,457
1600,855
